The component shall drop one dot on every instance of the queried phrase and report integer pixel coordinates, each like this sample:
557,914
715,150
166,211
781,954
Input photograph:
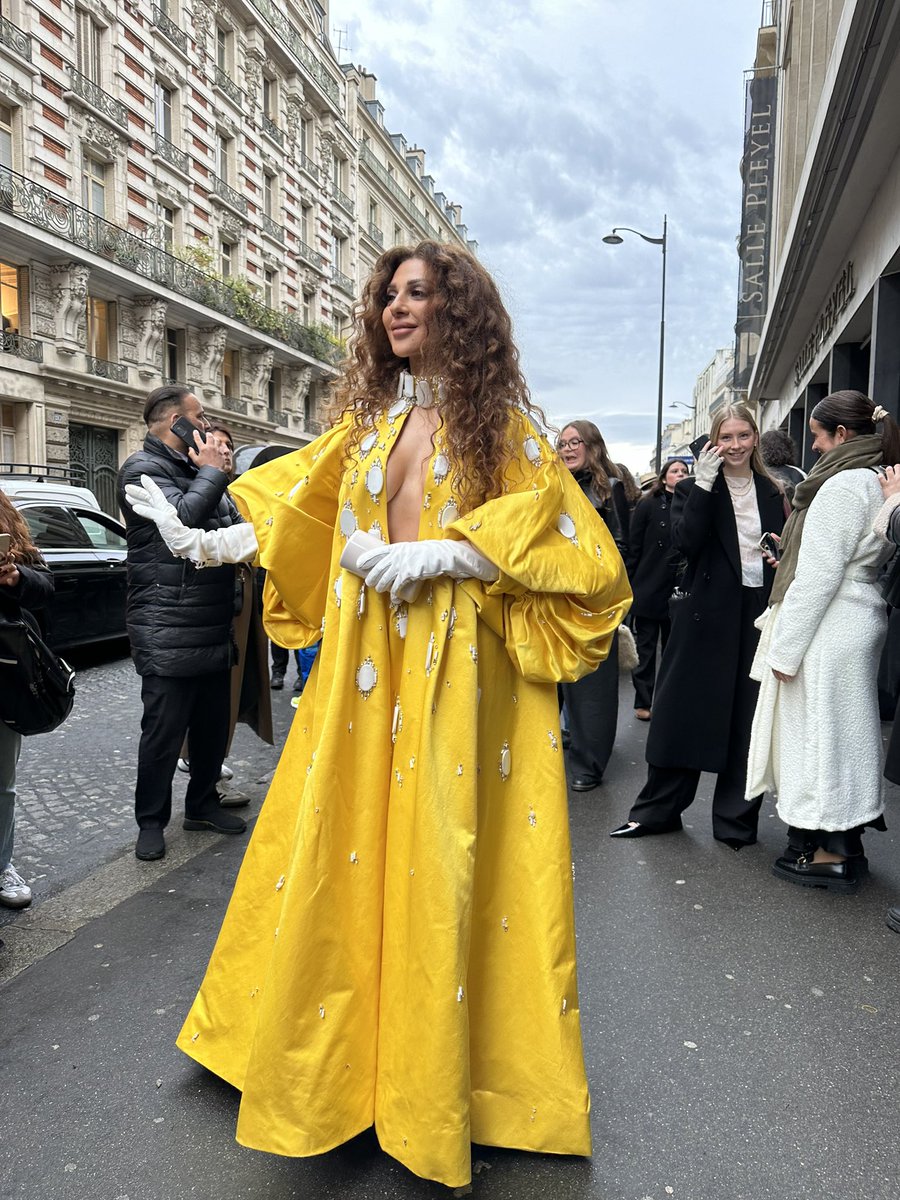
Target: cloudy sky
551,121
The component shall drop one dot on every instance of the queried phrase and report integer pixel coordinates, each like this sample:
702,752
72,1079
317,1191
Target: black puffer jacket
178,617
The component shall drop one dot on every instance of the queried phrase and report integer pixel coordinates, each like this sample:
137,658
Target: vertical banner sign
756,220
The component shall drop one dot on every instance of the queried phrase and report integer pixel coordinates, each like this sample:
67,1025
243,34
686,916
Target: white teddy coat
816,741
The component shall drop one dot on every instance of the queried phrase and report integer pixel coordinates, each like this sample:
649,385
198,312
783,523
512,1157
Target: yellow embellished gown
399,950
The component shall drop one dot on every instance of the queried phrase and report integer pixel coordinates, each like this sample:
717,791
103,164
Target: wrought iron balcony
273,229
233,404
309,256
22,347
15,38
227,193
375,233
344,282
172,155
106,369
226,84
305,163
169,29
56,216
387,180
343,199
291,37
270,129
91,93
277,416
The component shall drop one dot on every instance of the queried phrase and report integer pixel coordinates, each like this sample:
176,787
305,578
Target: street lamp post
613,239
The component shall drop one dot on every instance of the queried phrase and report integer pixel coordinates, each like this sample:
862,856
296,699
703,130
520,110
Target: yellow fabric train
400,948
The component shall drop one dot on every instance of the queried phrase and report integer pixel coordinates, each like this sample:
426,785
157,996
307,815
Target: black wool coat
650,560
698,676
178,617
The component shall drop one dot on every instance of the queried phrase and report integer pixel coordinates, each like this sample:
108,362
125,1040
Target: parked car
84,548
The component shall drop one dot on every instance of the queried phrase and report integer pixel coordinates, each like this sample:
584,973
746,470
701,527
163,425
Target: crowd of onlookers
759,587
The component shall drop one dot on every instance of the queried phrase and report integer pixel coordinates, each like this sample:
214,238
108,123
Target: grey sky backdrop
551,121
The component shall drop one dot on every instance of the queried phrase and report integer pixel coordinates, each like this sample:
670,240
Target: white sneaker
226,772
14,891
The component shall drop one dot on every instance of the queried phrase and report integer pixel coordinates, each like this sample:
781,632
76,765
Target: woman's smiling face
571,448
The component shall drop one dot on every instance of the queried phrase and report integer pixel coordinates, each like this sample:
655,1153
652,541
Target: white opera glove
205,547
706,468
400,567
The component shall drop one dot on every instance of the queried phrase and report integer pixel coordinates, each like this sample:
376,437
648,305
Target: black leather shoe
835,877
216,818
151,844
582,783
892,919
735,843
277,682
633,831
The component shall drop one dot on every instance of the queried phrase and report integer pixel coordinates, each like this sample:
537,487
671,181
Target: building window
306,224
373,212
231,374
93,186
167,220
308,307
223,158
338,173
99,328
269,186
88,46
226,259
9,298
338,245
398,235
273,389
7,433
163,110
306,137
269,98
223,49
270,288
173,354
6,136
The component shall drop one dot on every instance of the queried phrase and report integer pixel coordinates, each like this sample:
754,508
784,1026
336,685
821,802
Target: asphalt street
741,1034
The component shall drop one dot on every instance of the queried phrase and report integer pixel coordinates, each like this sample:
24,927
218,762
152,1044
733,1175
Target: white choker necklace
420,391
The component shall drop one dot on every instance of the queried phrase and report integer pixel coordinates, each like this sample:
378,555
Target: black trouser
592,708
669,790
172,707
280,659
647,633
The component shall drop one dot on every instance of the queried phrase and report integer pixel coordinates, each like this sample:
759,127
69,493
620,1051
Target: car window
54,528
103,533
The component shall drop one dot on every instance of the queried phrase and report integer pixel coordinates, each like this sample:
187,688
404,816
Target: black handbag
37,687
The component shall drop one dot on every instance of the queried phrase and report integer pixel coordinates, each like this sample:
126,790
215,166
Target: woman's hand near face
9,574
890,481
707,466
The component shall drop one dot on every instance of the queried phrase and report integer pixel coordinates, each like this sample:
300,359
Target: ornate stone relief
98,136
70,288
295,383
252,79
150,324
232,226
257,369
212,352
43,304
202,20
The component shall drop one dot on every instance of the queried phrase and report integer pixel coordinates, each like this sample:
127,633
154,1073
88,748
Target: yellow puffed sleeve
292,503
563,590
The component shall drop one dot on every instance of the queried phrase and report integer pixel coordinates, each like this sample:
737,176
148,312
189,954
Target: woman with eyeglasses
704,700
592,703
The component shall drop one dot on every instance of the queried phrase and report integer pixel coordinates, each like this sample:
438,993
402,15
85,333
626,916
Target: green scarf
864,450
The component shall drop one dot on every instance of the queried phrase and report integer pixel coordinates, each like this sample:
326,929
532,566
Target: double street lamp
613,239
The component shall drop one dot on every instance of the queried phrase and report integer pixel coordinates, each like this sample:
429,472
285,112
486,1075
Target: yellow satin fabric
399,949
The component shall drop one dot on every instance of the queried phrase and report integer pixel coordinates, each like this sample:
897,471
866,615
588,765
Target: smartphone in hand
770,544
182,428
5,541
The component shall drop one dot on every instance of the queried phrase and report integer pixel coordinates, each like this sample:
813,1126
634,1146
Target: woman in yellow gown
399,950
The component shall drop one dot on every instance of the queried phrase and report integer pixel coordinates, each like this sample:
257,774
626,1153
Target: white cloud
551,123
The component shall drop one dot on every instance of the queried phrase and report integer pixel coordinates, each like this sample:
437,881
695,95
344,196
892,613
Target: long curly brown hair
470,346
21,546
598,464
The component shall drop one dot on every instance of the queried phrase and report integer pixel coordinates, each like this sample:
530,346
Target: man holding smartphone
179,621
